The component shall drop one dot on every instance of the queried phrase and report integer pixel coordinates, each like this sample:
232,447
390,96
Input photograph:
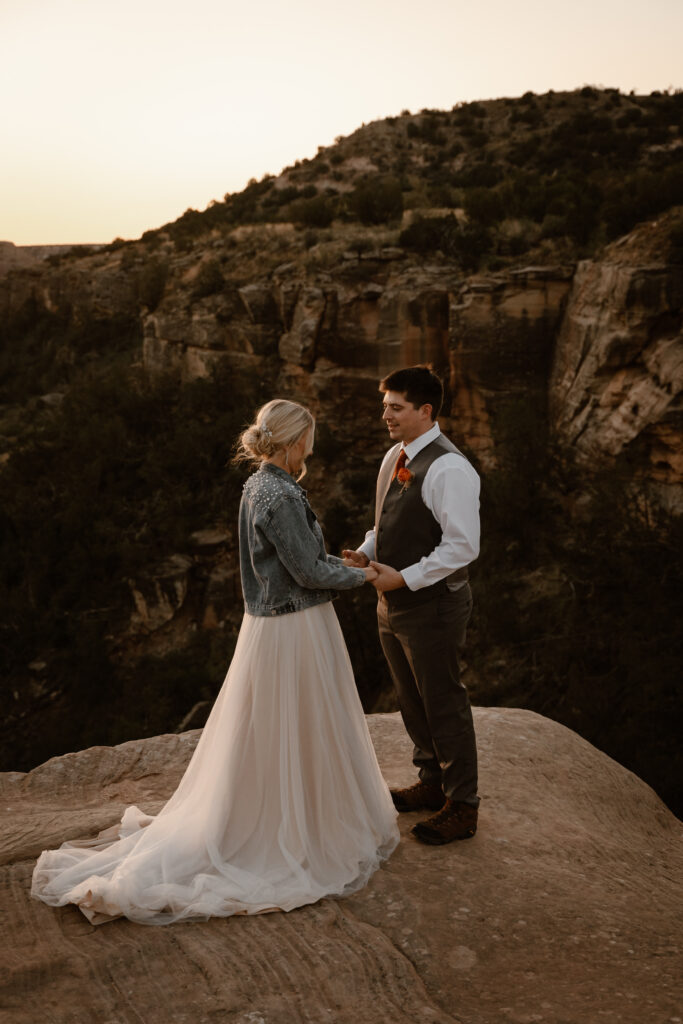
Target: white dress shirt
450,490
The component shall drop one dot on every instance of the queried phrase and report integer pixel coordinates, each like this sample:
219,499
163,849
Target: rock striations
618,370
564,908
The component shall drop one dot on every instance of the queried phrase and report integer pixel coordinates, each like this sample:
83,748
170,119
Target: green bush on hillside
378,200
209,280
152,282
317,212
464,244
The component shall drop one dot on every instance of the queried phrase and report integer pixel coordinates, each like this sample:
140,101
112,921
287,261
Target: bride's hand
354,558
370,574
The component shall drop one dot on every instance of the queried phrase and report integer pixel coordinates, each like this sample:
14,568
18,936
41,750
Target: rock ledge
564,907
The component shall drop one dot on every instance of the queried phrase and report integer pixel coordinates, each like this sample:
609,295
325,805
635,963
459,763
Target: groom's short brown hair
419,384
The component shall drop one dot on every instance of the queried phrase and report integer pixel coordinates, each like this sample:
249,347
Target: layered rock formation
601,346
321,320
617,376
363,316
564,907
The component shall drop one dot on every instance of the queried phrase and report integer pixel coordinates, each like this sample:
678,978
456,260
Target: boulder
158,596
617,373
563,908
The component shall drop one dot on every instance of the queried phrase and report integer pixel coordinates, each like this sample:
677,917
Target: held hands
382,577
355,558
358,560
387,578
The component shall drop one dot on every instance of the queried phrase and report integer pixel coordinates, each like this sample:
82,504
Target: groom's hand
355,558
387,578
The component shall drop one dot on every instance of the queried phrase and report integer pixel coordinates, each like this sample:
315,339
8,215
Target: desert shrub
130,257
522,152
483,173
629,118
377,200
152,282
476,138
476,109
152,239
464,244
640,195
441,194
427,129
76,251
188,227
585,131
209,280
316,212
282,196
245,207
484,206
532,116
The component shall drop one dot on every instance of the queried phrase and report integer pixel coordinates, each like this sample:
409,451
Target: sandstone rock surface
617,377
564,909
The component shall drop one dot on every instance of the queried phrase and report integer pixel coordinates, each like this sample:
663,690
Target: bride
283,801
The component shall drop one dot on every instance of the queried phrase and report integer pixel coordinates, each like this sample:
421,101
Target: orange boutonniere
404,477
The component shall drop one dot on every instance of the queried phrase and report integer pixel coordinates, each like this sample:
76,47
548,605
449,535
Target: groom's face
403,420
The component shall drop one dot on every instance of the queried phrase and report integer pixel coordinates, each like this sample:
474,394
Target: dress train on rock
282,803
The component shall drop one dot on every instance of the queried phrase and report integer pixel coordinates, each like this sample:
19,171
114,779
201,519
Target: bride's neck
279,460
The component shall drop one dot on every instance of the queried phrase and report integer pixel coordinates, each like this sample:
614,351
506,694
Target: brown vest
405,529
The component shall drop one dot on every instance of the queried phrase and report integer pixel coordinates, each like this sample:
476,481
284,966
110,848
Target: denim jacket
283,561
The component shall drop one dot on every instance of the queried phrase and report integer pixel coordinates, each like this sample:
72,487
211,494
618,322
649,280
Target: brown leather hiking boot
455,820
422,796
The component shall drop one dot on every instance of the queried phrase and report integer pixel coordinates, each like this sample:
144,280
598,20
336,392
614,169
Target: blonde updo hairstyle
278,424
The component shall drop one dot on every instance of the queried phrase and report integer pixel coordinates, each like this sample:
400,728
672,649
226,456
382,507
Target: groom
426,533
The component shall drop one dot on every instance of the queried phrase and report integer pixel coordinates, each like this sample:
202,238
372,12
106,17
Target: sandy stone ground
564,909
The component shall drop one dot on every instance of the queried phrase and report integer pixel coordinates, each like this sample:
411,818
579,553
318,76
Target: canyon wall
585,361
615,387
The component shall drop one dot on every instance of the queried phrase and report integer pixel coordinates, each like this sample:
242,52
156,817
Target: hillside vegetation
553,175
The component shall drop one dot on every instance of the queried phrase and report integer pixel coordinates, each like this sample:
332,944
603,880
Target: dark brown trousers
422,645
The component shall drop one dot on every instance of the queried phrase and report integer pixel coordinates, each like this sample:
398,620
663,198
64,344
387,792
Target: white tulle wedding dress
282,803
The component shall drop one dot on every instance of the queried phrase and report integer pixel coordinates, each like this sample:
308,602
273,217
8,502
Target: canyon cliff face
617,377
586,359
599,344
328,335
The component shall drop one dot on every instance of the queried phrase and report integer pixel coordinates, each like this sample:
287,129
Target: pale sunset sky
118,116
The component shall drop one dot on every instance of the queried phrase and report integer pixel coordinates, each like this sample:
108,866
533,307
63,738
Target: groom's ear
429,408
